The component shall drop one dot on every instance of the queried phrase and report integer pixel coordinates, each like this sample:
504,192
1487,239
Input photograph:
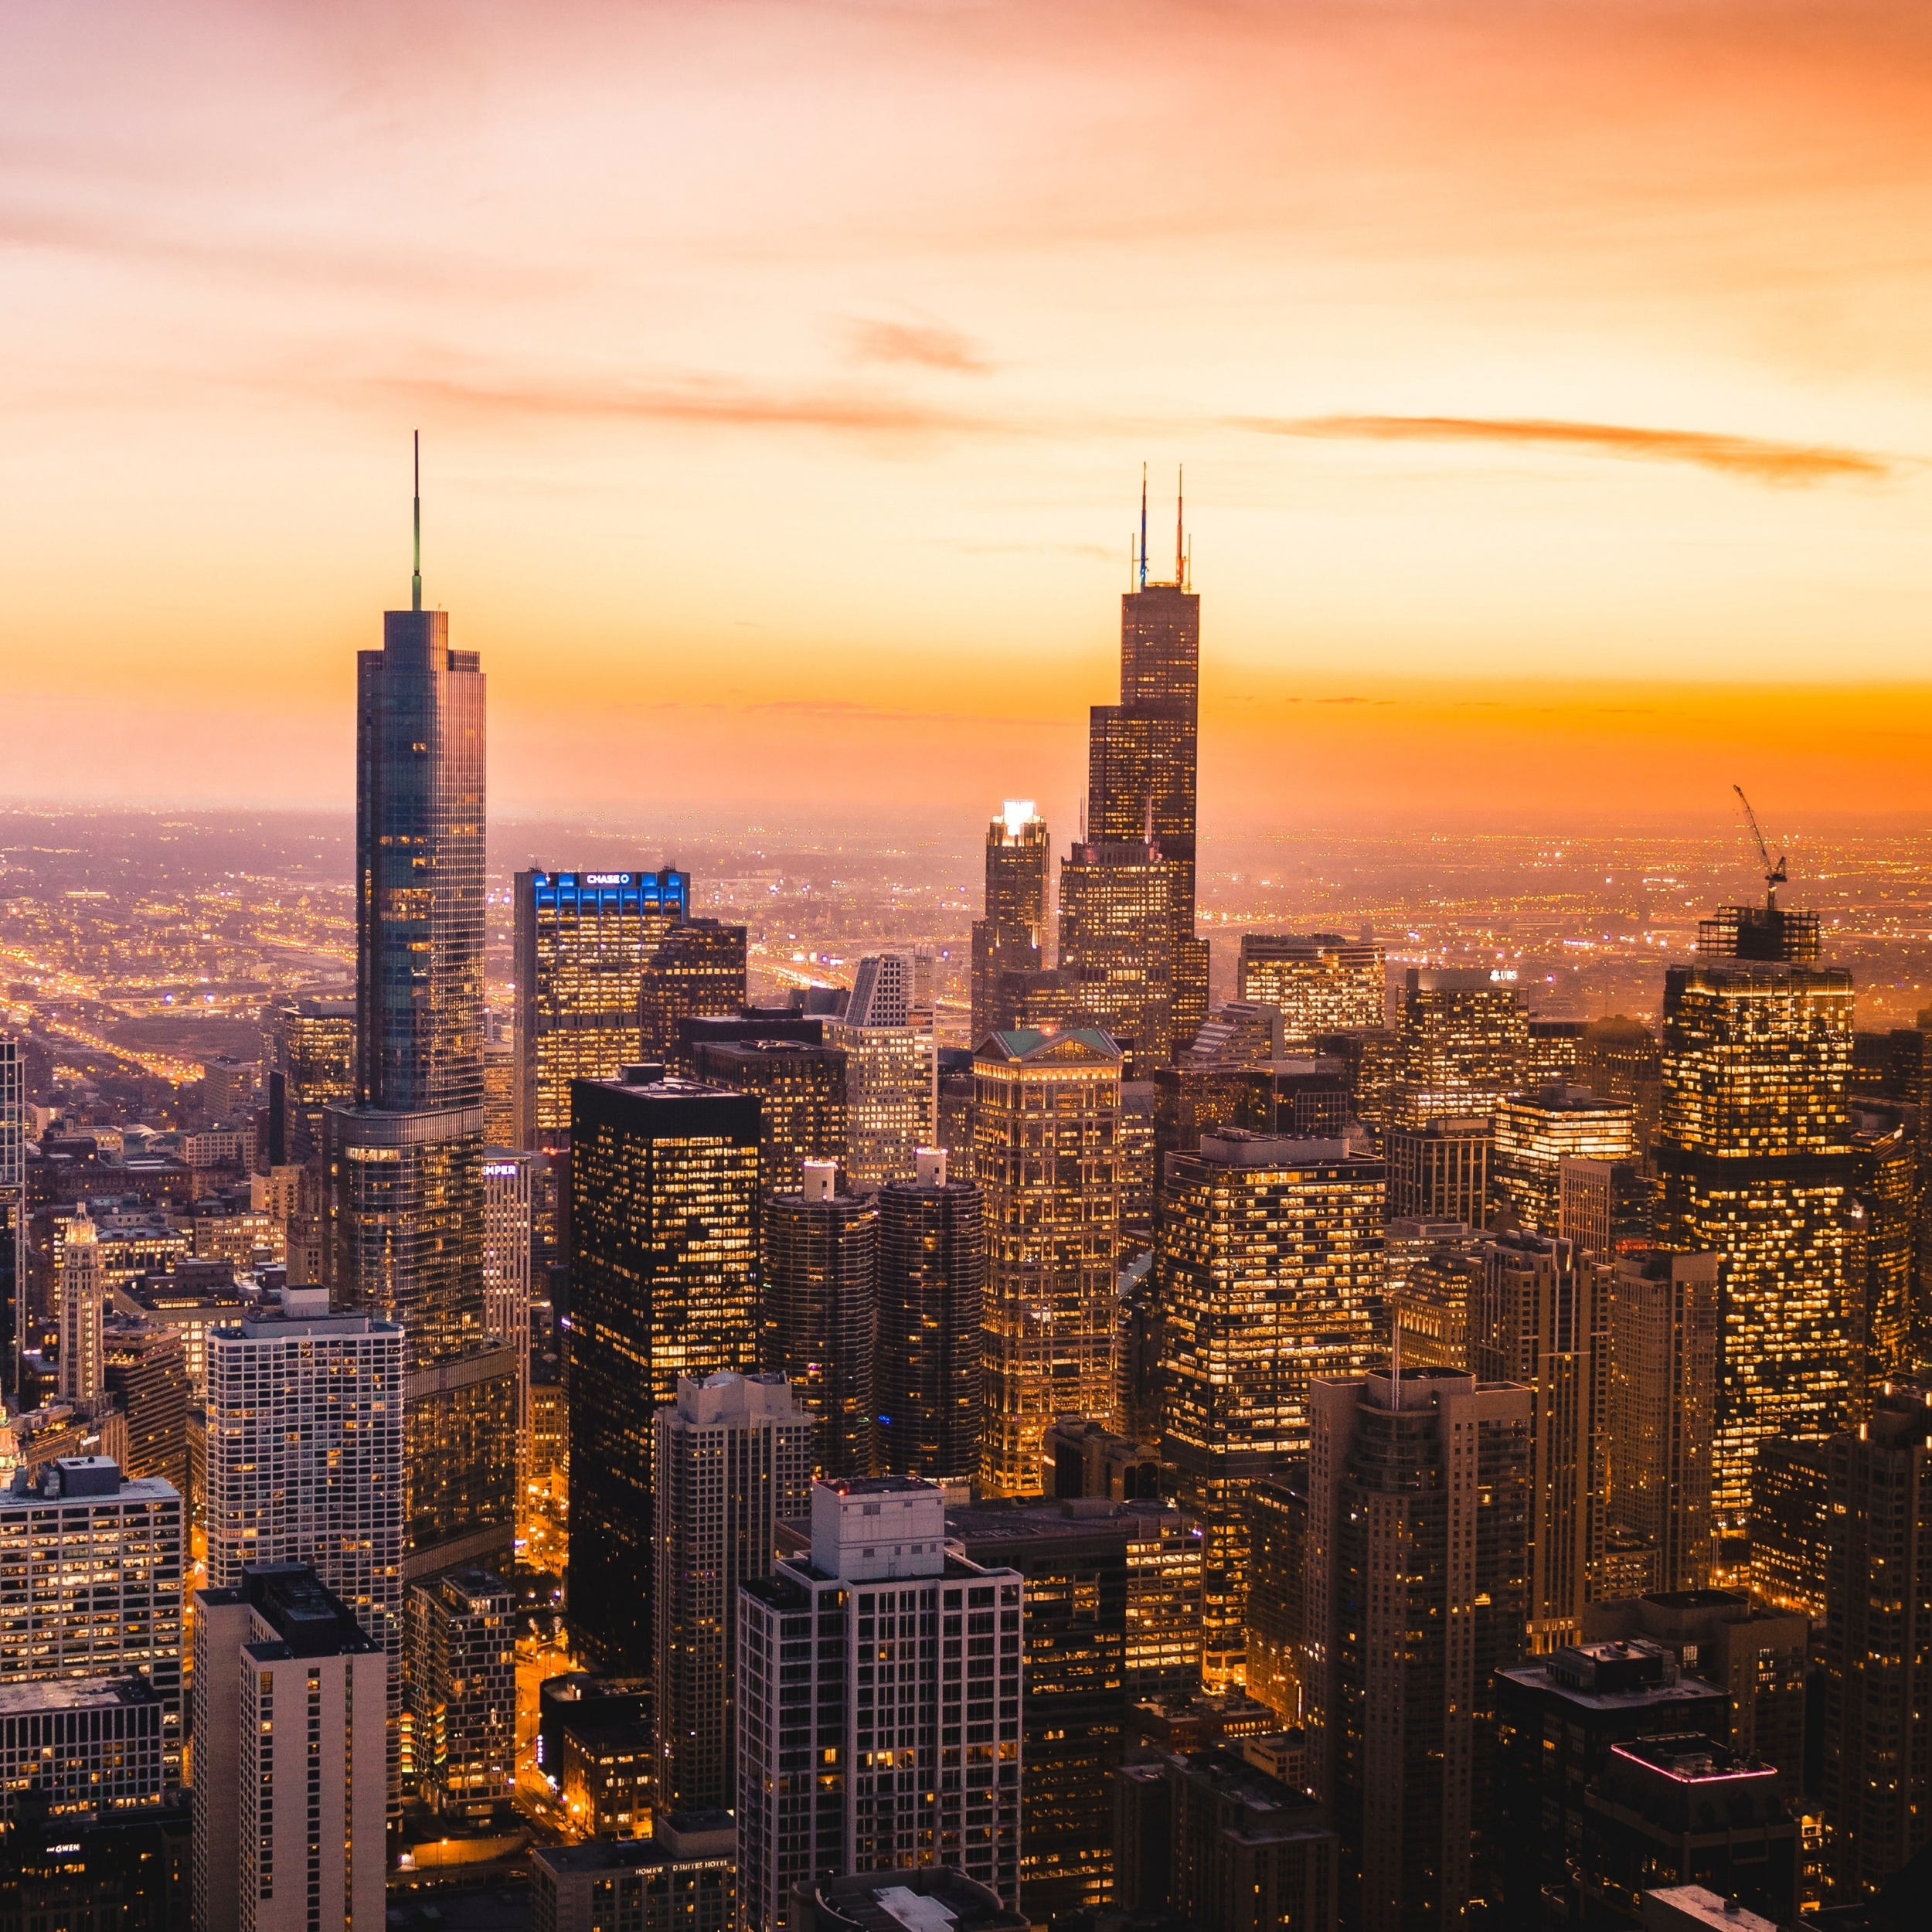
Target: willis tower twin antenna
1139,572
415,577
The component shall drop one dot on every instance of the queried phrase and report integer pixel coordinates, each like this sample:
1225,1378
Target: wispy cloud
703,399
923,345
1761,460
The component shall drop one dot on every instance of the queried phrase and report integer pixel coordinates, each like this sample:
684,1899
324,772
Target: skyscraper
695,970
1319,982
1755,1164
290,1715
510,1248
1012,936
311,1044
1142,758
1073,1561
932,1283
801,1090
665,1282
1464,1043
885,991
1540,1319
1117,952
581,941
734,1458
1878,1640
820,1252
13,1212
305,1446
1046,1154
82,1304
147,1375
896,1740
1270,1259
1419,1496
1662,1412
891,1073
403,1165
92,1564
1886,1138
462,1673
1538,1130
1439,1169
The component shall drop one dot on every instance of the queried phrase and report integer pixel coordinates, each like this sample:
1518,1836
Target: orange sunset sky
1554,383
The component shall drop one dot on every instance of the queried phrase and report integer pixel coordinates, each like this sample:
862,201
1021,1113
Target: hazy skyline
1549,383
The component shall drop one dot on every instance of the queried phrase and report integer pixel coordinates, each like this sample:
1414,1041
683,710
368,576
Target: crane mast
1774,873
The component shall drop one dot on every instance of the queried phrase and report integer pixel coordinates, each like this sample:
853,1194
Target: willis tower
1140,810
404,1165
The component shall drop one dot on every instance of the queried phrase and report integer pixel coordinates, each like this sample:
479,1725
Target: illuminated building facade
697,971
1046,1156
1663,1409
1142,756
1429,1273
896,1742
1073,1565
1117,953
581,940
1439,1169
1418,1593
1791,1514
13,1213
1270,1258
801,1088
462,1673
1540,1319
82,1307
311,1044
147,1376
307,1459
734,1459
499,1094
290,1701
509,1249
1878,1640
1319,982
821,1312
1536,1132
887,990
92,1566
1757,1164
406,1207
1553,1046
1464,1043
891,1072
663,1283
1011,936
1278,1512
932,1285
1885,1140
403,1165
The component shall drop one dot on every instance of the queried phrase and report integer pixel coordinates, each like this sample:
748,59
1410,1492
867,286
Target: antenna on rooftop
415,577
1180,556
1143,526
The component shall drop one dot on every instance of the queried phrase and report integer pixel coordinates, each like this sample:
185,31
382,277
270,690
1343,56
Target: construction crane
1774,874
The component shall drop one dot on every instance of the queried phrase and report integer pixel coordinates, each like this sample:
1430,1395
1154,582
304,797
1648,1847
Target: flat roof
73,1694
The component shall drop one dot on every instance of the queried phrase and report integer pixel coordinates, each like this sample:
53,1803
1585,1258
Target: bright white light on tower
1016,814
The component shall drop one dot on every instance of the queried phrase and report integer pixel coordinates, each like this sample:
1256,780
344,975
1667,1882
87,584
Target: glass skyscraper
582,941
1757,1165
1142,755
404,1165
663,1283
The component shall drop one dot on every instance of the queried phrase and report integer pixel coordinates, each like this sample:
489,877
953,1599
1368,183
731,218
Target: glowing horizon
1554,417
